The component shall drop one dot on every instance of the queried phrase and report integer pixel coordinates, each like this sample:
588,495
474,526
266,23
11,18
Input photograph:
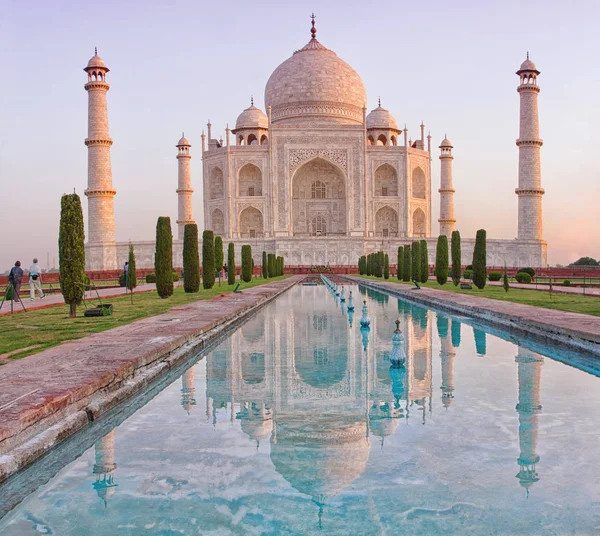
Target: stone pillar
530,189
184,186
447,220
100,193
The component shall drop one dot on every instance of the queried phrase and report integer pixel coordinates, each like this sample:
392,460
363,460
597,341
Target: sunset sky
176,64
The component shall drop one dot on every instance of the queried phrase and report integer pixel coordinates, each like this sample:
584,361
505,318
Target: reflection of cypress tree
480,341
362,290
442,325
419,315
455,333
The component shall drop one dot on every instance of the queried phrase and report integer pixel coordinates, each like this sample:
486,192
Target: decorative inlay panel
299,156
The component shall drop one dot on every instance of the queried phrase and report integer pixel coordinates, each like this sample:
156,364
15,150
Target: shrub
529,271
386,266
10,293
218,255
208,259
469,267
175,276
407,268
523,277
131,271
456,258
566,283
191,258
468,274
265,268
479,259
231,263
424,255
441,260
247,263
415,261
400,265
505,284
86,281
495,276
121,279
151,278
71,251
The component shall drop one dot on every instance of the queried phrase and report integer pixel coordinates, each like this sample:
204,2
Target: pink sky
174,65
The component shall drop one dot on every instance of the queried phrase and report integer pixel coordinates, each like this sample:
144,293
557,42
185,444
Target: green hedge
416,261
479,259
231,263
400,268
468,274
247,263
386,266
407,268
495,276
163,257
265,267
566,283
208,259
151,278
523,277
529,271
456,258
424,255
191,258
219,255
441,260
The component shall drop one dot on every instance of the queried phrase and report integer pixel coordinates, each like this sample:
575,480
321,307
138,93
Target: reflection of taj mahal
316,179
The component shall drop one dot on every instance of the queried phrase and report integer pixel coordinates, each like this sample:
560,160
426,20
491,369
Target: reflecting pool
297,424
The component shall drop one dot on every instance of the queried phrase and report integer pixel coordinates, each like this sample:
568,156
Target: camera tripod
12,301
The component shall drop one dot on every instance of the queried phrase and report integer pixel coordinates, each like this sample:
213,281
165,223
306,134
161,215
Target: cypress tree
163,257
479,259
386,266
271,264
218,257
231,263
415,261
400,263
456,258
381,263
71,251
131,271
407,268
208,259
247,263
369,264
424,254
265,268
505,284
441,260
191,259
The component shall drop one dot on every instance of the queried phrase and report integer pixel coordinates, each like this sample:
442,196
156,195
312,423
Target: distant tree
265,267
400,263
71,251
441,260
131,271
585,261
424,254
479,259
361,265
247,263
456,259
191,259
369,264
386,266
218,257
208,259
271,264
407,268
416,261
231,263
505,284
163,257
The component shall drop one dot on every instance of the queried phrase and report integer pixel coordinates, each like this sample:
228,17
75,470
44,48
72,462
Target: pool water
297,424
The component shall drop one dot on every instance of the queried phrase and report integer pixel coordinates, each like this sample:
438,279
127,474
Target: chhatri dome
380,118
527,65
96,61
252,117
315,84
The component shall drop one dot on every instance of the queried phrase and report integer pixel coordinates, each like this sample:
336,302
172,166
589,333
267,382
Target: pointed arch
419,184
370,140
386,222
249,180
386,181
382,140
216,185
252,140
264,140
218,222
419,226
251,223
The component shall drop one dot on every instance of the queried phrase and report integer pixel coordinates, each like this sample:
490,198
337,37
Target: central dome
315,85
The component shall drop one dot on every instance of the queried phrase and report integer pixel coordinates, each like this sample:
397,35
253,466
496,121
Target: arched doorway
386,222
251,223
418,221
218,222
250,181
419,184
386,181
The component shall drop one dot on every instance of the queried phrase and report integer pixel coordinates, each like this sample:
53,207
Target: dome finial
313,30
96,51
528,54
379,101
251,100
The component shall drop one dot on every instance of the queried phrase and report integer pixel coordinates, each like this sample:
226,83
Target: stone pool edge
578,339
27,446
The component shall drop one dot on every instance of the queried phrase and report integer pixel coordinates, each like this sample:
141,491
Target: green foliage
469,267
71,251
151,278
479,259
121,279
191,259
10,293
529,271
416,261
495,276
218,254
523,277
468,274
362,265
407,268
441,260
175,276
400,265
231,263
456,258
281,266
271,264
246,263
585,261
132,270
386,266
424,256
208,259
163,257
566,283
265,267
369,264
505,284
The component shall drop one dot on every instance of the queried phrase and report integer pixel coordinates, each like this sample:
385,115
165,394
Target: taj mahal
316,177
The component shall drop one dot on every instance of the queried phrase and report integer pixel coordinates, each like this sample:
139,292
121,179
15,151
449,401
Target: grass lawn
28,333
563,302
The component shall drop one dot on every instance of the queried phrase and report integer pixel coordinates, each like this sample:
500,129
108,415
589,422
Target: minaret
530,189
100,193
188,390
184,186
529,370
105,466
446,190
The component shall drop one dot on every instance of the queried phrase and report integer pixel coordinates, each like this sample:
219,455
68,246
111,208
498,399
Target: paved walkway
54,300
50,395
556,289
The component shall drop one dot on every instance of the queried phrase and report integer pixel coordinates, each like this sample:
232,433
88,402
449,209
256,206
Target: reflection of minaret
529,371
188,390
105,467
447,357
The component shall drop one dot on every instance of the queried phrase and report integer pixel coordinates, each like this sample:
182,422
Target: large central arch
319,200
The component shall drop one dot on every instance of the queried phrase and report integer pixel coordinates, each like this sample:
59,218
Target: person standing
35,280
15,278
125,272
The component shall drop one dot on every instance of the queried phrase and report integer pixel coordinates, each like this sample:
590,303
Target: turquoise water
296,424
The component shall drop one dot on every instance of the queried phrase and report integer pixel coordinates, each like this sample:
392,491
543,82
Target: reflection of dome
321,366
322,457
382,119
315,83
252,117
257,430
